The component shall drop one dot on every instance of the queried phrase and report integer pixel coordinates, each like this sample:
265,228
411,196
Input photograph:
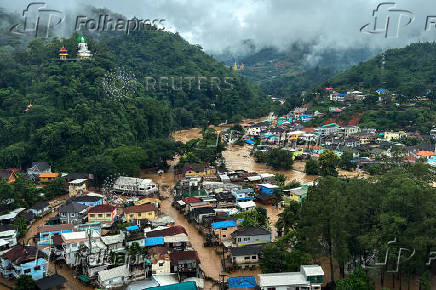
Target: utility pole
222,280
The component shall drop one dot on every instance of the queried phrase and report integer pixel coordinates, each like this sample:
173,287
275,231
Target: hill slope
98,114
409,71
288,72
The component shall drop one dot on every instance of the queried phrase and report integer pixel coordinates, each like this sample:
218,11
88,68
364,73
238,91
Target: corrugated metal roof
121,271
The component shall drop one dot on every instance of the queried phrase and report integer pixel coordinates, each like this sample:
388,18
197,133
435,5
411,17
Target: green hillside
409,71
288,72
97,114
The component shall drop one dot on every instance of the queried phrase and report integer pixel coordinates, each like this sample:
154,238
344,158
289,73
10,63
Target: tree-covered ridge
288,72
81,112
409,71
166,55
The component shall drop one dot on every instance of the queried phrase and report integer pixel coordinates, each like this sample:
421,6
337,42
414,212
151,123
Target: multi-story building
47,232
251,236
103,213
140,213
72,213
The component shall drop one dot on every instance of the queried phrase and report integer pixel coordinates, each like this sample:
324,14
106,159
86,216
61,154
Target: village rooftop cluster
122,238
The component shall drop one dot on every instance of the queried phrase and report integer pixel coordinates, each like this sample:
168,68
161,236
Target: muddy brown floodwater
72,283
237,157
210,260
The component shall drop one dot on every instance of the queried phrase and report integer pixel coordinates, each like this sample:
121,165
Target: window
247,258
100,215
149,213
239,239
92,215
254,257
224,229
37,268
27,271
72,214
161,264
139,214
108,215
45,235
224,236
271,288
132,216
246,239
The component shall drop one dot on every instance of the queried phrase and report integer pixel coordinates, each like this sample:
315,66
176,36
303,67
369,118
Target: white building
310,277
245,205
131,185
72,244
8,238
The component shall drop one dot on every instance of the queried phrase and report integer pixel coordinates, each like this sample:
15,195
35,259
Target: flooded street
72,283
210,260
236,157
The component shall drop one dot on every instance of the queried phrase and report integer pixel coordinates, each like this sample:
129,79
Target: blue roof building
268,188
224,224
155,241
132,228
242,282
245,194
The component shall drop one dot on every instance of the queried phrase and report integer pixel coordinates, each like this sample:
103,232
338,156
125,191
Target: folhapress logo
388,20
38,19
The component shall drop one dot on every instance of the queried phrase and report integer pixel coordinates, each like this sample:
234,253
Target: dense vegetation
24,193
351,221
409,71
208,149
289,72
277,158
98,115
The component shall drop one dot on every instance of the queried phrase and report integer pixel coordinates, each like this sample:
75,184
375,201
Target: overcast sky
220,24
